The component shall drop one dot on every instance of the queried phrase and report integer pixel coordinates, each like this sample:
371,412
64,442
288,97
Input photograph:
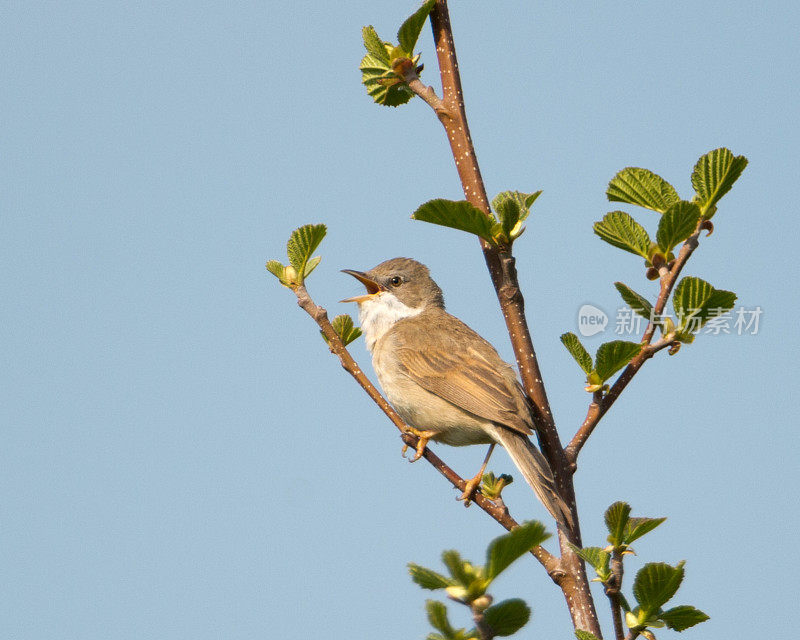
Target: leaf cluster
301,245
655,583
501,228
610,358
344,328
467,584
695,301
303,242
713,176
384,68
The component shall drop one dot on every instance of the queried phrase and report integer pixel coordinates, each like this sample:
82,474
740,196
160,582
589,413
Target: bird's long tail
533,466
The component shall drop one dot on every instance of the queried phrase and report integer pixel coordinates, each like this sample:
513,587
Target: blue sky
181,455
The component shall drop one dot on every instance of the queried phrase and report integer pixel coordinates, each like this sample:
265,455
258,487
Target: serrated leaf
718,302
345,329
612,356
616,517
507,617
459,215
638,303
580,634
276,269
507,548
577,351
642,187
691,294
302,243
598,558
693,318
427,578
677,224
458,567
619,229
682,617
382,83
374,45
437,616
637,527
409,32
714,175
655,584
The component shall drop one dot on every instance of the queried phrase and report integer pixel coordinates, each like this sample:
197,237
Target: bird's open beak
373,287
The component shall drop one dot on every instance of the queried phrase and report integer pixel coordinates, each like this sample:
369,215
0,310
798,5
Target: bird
447,382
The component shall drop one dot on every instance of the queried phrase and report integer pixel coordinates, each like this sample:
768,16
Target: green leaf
655,584
677,224
612,356
577,351
642,187
616,518
436,636
302,243
637,527
622,231
459,215
513,208
374,45
382,83
718,303
311,265
410,30
598,558
580,634
460,569
683,617
343,325
437,616
507,617
638,303
714,175
689,297
276,268
507,548
696,302
428,578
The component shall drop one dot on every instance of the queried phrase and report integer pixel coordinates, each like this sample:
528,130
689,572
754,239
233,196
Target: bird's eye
396,281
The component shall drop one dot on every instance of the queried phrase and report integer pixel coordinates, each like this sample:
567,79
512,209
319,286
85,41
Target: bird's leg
423,436
473,482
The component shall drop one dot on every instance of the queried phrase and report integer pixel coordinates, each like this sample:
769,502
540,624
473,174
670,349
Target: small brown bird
445,381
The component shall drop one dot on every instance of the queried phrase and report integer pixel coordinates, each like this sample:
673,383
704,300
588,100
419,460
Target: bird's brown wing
484,386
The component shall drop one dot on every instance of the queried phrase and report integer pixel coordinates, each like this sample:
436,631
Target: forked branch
598,408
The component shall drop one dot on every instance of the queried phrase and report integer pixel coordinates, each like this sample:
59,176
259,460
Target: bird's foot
470,488
424,437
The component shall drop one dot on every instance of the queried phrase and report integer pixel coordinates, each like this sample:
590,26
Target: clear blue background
182,458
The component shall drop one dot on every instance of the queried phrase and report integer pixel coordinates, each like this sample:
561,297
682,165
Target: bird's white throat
379,312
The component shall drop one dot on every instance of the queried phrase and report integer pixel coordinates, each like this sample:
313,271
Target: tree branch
500,263
452,114
498,512
597,409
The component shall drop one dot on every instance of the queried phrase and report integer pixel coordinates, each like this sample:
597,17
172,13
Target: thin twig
612,589
596,409
498,512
